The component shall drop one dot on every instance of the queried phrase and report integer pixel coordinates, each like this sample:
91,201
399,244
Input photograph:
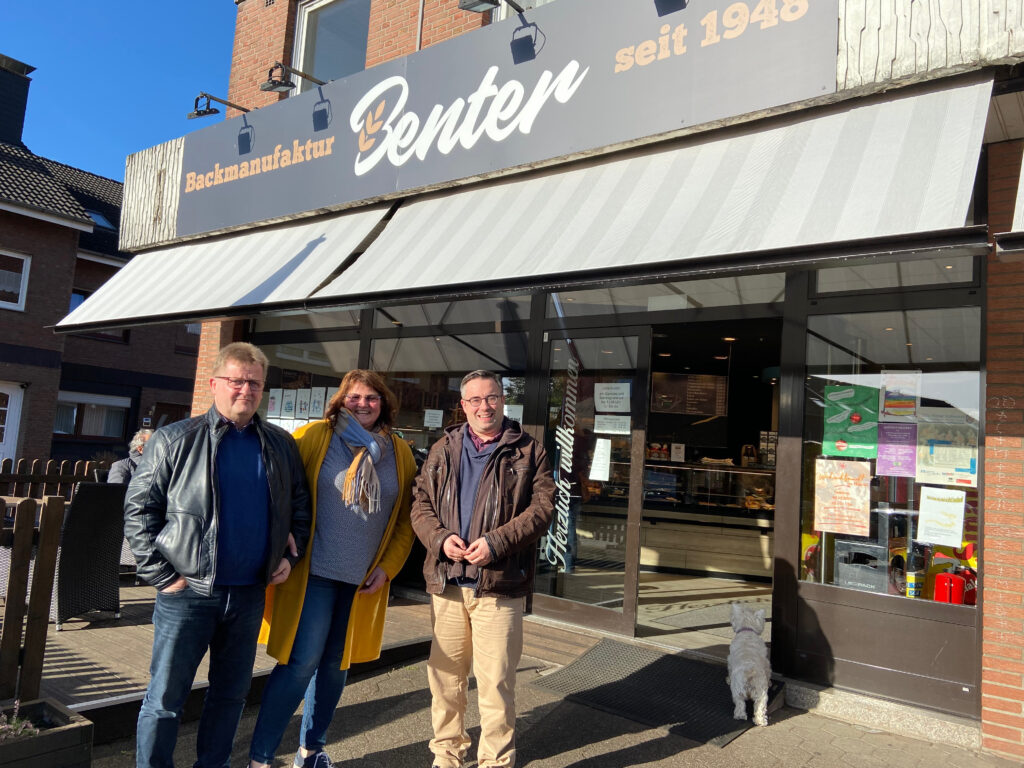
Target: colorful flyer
317,400
901,392
947,448
842,497
302,403
288,404
274,403
851,421
941,520
897,450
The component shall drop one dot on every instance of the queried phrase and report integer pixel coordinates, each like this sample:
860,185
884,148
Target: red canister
949,588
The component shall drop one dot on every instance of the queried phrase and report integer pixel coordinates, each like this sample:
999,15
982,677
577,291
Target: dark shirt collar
479,442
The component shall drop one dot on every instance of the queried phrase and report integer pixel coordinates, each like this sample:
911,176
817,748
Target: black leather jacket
170,510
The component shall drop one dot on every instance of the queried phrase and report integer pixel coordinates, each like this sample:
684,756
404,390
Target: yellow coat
366,619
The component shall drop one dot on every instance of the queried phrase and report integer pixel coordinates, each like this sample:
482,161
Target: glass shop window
425,372
679,295
302,378
447,313
890,453
895,275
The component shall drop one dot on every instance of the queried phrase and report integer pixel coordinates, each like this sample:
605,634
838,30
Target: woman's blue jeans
313,669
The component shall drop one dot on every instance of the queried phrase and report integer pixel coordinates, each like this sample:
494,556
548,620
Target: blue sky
116,76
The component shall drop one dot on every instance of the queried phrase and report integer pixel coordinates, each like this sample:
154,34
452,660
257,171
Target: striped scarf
362,485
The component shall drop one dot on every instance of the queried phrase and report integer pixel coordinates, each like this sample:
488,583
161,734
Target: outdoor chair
88,559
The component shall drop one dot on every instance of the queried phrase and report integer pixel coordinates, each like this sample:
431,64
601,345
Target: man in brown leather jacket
484,497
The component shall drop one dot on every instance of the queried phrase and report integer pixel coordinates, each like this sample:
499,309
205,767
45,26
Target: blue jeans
185,625
313,669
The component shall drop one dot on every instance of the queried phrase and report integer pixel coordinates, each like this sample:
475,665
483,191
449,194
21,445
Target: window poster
901,392
317,402
433,418
679,452
941,519
611,425
288,404
897,450
274,403
612,397
851,421
601,463
302,397
947,447
842,497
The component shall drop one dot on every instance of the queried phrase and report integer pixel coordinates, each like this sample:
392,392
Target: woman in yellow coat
330,611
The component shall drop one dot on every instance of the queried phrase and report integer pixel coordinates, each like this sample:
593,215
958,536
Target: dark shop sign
568,77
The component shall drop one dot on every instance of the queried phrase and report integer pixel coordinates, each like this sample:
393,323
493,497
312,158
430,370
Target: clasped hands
477,553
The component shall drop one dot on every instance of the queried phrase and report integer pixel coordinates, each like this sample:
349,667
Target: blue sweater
243,522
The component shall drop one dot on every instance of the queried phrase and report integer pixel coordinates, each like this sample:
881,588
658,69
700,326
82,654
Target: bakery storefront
753,352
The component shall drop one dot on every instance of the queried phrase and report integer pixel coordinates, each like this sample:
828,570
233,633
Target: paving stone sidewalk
384,722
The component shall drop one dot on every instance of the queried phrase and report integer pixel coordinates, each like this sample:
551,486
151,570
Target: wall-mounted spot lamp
483,6
281,84
208,108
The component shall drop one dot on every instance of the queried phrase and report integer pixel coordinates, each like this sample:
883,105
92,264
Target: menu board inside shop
689,394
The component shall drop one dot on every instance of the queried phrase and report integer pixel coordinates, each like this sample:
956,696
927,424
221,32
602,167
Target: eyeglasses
238,384
368,399
476,402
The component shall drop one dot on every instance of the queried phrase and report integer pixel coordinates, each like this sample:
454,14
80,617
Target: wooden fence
35,478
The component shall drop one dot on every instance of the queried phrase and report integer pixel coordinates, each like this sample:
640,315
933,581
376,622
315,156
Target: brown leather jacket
512,511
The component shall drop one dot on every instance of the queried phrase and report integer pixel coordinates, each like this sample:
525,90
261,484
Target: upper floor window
331,38
13,280
78,295
82,414
99,219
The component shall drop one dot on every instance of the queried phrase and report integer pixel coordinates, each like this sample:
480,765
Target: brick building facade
58,239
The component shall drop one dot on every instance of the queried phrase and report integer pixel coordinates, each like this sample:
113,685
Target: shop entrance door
595,411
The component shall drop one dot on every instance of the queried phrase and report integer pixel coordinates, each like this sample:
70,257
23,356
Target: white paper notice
514,412
942,517
602,460
302,403
679,452
612,397
433,418
611,425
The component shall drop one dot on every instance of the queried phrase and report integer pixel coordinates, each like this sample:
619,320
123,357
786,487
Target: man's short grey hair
241,352
479,374
139,440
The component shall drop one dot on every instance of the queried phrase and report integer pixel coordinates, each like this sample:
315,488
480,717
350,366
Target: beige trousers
486,632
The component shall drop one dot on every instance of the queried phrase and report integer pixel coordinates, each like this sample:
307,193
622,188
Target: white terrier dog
749,669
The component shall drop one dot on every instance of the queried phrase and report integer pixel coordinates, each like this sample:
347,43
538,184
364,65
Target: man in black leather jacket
217,509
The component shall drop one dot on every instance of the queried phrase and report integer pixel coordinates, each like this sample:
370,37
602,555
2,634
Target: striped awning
900,164
226,276
897,165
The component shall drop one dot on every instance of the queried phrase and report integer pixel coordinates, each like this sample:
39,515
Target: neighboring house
79,396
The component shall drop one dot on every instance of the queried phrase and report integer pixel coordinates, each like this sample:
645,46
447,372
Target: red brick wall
1002,566
263,34
52,249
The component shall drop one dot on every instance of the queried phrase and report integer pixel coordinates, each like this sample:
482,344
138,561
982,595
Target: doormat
687,697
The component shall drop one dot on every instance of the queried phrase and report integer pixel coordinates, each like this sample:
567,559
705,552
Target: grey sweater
345,541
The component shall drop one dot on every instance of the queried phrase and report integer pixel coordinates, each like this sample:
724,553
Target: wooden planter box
64,739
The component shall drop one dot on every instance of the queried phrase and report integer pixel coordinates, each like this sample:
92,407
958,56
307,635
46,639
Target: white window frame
305,8
19,306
